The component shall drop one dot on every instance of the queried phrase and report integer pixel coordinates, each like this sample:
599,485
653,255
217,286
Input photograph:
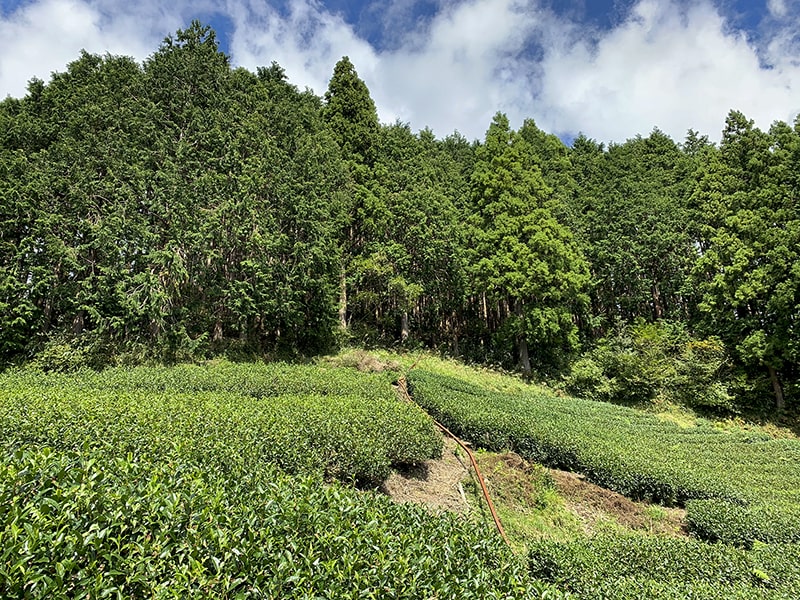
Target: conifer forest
181,208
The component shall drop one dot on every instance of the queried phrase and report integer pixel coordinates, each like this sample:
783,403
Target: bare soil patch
520,486
435,484
594,504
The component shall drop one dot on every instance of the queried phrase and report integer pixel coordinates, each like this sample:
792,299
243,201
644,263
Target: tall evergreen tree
749,273
525,262
351,115
415,265
182,206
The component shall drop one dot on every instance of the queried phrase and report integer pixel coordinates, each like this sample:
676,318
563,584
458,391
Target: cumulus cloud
304,40
452,73
41,37
671,64
469,64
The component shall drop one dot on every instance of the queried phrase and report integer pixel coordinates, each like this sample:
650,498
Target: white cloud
671,64
306,43
465,67
42,37
777,8
449,75
669,67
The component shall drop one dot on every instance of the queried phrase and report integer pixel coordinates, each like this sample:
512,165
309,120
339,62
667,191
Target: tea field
258,481
741,490
226,481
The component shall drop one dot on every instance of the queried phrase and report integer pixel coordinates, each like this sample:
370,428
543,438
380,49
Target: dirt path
436,484
439,486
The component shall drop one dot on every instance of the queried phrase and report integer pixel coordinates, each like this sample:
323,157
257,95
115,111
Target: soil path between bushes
439,485
436,484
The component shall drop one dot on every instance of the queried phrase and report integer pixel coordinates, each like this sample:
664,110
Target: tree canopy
181,208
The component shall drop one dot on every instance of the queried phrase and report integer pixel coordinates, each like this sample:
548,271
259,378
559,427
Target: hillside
179,209
237,480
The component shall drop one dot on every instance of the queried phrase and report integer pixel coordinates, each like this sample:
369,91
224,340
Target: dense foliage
738,486
654,362
181,208
167,483
173,206
523,260
636,566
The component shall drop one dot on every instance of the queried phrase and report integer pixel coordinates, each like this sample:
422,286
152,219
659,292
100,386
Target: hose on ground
402,384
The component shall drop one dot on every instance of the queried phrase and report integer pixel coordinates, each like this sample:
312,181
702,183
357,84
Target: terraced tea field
221,482
256,481
741,490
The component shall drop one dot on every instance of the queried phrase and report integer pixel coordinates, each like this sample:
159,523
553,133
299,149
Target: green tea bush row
718,520
122,485
81,523
754,480
339,433
637,566
258,380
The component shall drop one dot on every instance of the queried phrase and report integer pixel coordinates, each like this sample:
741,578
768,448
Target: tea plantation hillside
257,481
738,486
221,482
741,490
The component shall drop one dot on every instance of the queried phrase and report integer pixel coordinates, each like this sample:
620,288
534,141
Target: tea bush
175,483
78,523
345,425
637,566
738,486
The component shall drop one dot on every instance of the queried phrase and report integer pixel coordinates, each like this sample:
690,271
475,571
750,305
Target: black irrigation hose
404,390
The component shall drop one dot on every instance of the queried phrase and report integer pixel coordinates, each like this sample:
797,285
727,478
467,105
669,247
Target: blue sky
608,68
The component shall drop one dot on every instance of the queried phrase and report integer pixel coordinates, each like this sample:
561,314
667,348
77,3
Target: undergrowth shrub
648,362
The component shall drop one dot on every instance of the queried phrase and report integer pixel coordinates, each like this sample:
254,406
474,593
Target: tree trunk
780,403
78,323
454,331
48,315
342,300
658,308
216,336
524,359
522,343
404,328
